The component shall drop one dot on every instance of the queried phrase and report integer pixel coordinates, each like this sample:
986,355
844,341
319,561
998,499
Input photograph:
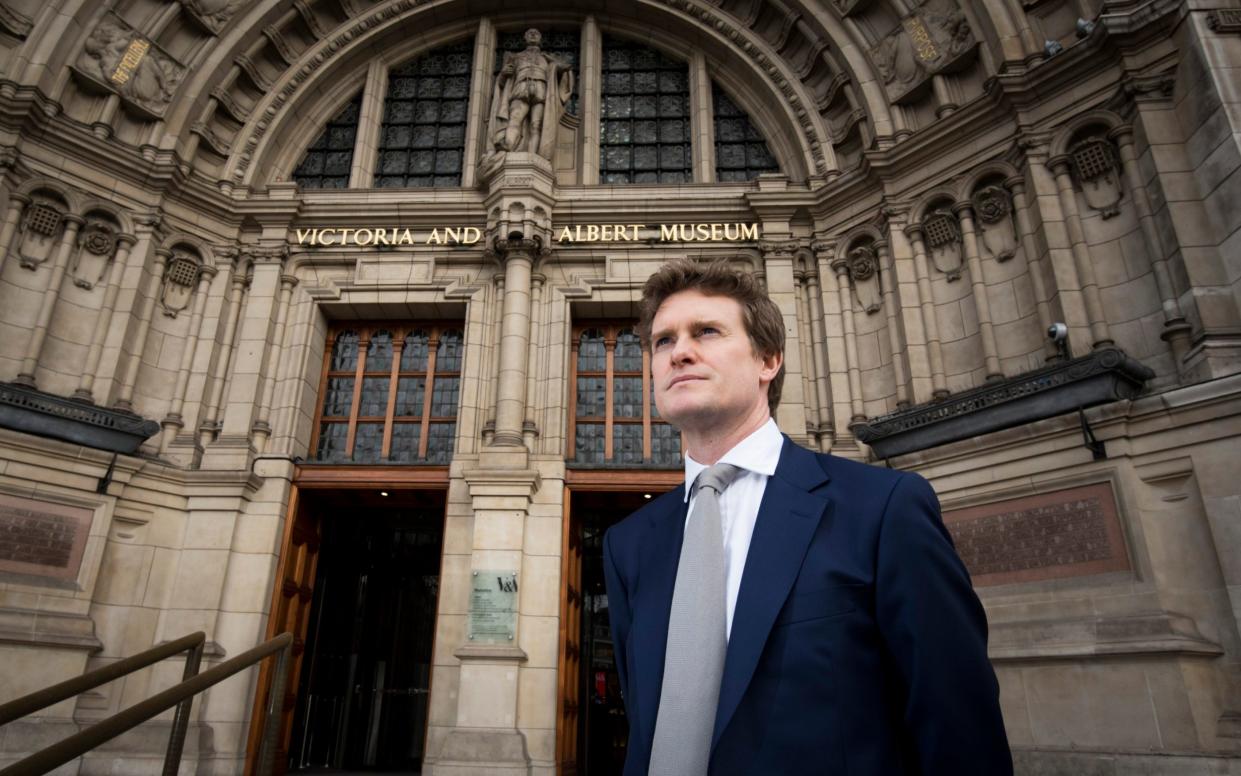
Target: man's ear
770,367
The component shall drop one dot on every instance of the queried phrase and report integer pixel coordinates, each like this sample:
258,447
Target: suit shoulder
858,473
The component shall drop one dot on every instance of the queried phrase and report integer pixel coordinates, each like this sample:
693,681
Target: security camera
1057,333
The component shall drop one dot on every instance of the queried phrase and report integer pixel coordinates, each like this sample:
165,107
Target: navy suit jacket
858,646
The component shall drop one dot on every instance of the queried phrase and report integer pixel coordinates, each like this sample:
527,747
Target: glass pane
332,438
405,442
414,354
327,161
338,397
626,397
654,409
665,445
591,397
445,393
627,443
588,446
410,396
592,354
425,109
368,443
741,153
374,402
645,101
344,352
448,354
628,355
379,352
440,441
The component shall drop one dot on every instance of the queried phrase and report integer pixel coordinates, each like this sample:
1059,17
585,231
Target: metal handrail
181,695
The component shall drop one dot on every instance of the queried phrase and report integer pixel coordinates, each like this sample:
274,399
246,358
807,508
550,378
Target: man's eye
662,342
708,330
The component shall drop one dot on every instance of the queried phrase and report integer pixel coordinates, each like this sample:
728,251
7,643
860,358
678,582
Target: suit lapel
650,627
787,519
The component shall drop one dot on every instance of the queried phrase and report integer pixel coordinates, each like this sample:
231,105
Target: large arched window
327,162
646,132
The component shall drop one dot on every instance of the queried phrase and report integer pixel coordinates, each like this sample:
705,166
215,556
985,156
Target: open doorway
364,688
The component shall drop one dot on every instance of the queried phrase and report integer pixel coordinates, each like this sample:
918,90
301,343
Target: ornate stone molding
16,24
118,59
1224,20
211,15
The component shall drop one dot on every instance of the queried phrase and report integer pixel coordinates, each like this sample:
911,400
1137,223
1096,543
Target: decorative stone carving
994,207
41,226
863,263
1224,20
96,246
179,280
1097,171
943,242
931,39
211,15
15,23
530,95
117,58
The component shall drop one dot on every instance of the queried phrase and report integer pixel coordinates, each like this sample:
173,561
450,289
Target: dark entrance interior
602,727
365,683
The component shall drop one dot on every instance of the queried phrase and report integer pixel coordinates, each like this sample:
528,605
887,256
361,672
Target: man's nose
683,350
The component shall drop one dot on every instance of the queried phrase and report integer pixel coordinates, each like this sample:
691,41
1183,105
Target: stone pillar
840,265
1175,328
702,122
35,347
125,393
530,427
370,123
210,425
930,321
909,311
480,99
1034,263
1099,334
590,98
836,364
781,287
887,284
804,337
275,353
86,386
17,203
818,356
517,256
982,304
173,422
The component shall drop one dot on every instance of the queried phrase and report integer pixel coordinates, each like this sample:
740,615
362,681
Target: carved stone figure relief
864,270
530,94
1096,170
943,243
932,38
211,15
179,280
95,250
41,226
994,208
117,58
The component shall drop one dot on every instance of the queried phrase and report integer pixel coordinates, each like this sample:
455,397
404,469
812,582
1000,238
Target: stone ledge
1140,634
35,412
30,628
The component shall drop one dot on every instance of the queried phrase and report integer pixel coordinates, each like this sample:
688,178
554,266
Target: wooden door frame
312,477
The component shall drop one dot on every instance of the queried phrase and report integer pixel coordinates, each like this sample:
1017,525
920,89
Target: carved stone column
982,304
210,421
887,282
818,354
125,392
1175,328
840,265
813,408
86,386
930,321
517,256
530,427
275,353
1100,334
1034,264
781,288
50,297
173,422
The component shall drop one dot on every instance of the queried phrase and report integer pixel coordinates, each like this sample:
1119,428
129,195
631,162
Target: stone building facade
306,297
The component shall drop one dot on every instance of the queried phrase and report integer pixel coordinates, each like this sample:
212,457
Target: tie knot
717,477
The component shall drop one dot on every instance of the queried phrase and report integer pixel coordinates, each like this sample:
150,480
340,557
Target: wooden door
570,644
290,612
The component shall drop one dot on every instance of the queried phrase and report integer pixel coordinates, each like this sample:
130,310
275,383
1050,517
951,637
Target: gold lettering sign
568,234
134,53
921,39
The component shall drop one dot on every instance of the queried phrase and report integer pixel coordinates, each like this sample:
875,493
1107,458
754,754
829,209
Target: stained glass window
741,152
645,137
422,139
613,421
565,45
327,161
390,394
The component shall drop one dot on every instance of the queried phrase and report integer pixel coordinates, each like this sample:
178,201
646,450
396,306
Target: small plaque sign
493,607
42,539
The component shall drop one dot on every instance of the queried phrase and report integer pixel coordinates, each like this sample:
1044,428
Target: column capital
288,281
1060,164
823,248
126,239
538,279
913,230
1122,134
963,209
778,249
207,272
1016,184
269,254
19,198
149,222
73,220
505,248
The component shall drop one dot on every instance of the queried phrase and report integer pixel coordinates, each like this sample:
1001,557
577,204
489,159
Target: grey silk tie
697,637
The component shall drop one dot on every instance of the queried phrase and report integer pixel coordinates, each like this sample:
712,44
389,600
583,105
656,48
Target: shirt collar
759,453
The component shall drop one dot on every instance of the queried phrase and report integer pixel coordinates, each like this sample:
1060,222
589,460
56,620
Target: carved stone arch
940,196
995,168
205,250
988,191
941,230
1104,120
70,198
120,215
48,208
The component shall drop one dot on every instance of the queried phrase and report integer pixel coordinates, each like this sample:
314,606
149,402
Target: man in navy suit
853,642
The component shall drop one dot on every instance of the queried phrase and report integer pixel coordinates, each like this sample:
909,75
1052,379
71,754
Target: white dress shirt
757,454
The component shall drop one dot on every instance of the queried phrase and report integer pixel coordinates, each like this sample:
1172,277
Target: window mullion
591,75
571,441
609,344
480,97
323,383
425,432
370,121
702,120
364,343
397,346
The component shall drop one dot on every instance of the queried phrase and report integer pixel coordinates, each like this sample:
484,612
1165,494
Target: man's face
705,370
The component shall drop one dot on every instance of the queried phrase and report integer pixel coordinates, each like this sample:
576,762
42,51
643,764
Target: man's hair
763,322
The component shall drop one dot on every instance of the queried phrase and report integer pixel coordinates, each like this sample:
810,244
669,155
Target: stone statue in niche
994,208
41,227
211,14
943,242
96,247
179,281
117,58
530,94
863,263
1095,166
930,39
